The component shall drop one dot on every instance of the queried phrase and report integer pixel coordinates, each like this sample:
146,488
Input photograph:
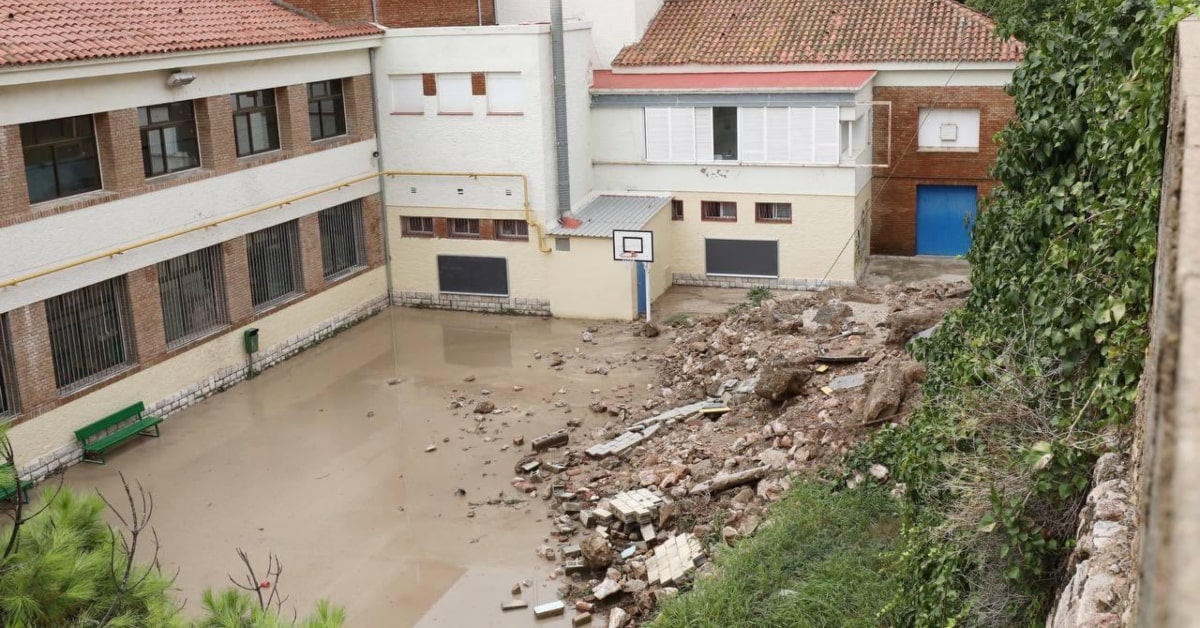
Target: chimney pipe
562,157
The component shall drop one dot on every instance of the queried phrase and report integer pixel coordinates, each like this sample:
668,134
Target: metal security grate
343,246
91,336
9,406
274,256
192,288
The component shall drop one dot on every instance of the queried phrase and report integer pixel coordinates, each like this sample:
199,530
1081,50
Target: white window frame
504,93
404,98
454,93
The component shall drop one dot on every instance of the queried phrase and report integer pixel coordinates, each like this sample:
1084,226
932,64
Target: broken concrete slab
848,382
549,609
606,588
553,439
673,560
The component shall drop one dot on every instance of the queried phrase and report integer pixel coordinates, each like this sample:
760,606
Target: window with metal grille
326,109
61,158
274,258
168,138
773,212
192,290
464,227
255,125
676,209
512,229
718,210
343,246
8,375
418,225
91,333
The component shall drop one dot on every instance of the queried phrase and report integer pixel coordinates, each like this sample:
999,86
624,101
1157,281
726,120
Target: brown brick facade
488,230
894,189
32,357
118,139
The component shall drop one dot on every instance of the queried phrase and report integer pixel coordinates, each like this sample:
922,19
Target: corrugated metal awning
608,212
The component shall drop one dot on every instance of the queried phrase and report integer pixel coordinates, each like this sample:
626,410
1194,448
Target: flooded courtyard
323,461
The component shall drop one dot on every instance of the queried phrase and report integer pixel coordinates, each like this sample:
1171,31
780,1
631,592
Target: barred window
326,109
718,210
61,158
91,333
274,257
255,125
418,225
343,246
8,375
168,138
464,227
512,229
773,212
192,288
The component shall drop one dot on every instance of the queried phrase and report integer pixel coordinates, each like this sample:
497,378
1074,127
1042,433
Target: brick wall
119,142
402,13
894,189
37,389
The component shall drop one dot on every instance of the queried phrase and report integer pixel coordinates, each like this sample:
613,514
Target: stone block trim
781,283
474,303
67,455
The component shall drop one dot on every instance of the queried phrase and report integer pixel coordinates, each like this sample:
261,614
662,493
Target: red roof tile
606,80
47,31
751,32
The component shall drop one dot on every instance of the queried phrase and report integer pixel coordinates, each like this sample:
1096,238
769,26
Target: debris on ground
635,502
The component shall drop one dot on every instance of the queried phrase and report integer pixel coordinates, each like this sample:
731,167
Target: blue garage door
945,215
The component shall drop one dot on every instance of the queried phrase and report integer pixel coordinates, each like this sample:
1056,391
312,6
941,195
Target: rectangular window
8,374
670,134
948,129
168,138
326,109
343,244
418,226
676,209
255,124
274,257
91,333
773,212
454,93
504,92
192,290
61,158
725,133
408,94
512,229
718,210
464,227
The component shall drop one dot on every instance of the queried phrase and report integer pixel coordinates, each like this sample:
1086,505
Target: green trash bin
250,340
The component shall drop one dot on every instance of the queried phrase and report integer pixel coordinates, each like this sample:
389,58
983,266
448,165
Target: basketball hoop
629,256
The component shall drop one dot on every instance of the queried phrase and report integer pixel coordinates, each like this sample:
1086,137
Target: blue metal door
641,287
945,216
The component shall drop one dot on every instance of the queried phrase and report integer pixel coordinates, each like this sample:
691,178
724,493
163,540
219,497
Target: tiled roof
48,31
826,81
608,212
750,32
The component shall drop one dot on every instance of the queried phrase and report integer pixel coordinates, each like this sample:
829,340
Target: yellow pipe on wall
286,201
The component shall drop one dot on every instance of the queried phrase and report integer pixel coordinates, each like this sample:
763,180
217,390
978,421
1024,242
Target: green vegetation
816,563
678,319
67,567
758,294
1047,352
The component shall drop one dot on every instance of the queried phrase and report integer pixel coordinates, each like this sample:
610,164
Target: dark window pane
60,158
725,138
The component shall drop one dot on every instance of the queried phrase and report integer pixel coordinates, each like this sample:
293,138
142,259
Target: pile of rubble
754,396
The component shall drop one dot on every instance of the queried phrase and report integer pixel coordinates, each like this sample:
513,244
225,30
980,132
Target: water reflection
465,346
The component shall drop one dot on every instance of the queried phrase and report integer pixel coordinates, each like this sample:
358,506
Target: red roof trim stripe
701,81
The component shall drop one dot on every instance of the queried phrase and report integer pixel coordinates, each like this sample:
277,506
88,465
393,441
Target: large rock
905,324
889,390
597,551
833,313
781,379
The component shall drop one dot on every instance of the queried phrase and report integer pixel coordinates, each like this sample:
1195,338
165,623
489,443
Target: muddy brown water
322,462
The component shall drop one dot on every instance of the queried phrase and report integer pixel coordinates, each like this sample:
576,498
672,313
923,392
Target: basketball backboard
633,246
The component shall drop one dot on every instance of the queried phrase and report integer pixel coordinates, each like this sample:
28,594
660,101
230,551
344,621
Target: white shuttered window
504,92
454,93
408,94
670,134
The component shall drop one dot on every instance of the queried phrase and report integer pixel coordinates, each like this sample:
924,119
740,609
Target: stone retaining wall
474,303
782,283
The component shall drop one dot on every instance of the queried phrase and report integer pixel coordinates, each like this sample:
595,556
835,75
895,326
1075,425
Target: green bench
101,435
19,487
